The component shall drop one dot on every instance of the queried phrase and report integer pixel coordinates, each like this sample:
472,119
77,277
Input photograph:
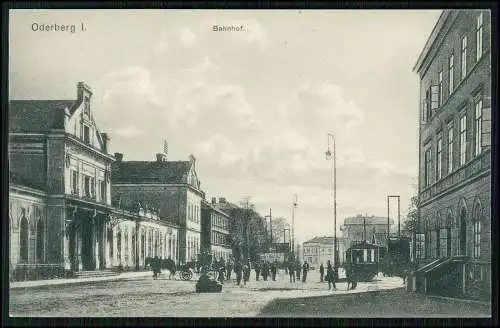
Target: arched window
143,244
463,231
119,245
478,215
23,239
40,241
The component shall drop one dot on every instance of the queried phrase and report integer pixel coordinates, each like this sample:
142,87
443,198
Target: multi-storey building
320,250
59,194
172,187
455,149
358,228
60,211
215,227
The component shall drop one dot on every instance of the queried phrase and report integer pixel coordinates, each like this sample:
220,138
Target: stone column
139,248
95,243
105,246
130,249
79,248
66,242
115,247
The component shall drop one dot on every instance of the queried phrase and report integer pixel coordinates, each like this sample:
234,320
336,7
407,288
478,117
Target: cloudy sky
253,106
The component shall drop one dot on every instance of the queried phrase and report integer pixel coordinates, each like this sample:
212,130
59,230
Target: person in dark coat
156,267
291,270
257,268
298,269
221,269
229,269
170,265
305,269
238,270
246,272
330,276
265,270
274,269
351,277
321,272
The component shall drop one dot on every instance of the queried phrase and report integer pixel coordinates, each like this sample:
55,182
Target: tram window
365,255
373,255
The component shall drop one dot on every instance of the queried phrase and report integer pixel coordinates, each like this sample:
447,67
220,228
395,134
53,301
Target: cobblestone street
163,297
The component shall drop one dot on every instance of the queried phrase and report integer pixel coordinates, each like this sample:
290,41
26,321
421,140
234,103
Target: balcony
477,165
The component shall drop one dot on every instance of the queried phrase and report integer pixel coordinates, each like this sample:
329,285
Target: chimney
222,200
214,200
105,141
160,157
119,157
82,90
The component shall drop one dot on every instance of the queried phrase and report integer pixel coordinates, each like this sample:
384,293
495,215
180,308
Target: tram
364,259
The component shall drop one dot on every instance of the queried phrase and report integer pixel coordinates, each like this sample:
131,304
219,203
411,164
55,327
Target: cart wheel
189,275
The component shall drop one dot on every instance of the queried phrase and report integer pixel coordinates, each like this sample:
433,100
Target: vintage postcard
249,163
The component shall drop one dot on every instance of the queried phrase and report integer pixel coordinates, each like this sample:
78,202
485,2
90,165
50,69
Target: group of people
294,269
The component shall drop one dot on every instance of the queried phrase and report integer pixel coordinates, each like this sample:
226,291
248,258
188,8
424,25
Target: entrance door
87,243
463,232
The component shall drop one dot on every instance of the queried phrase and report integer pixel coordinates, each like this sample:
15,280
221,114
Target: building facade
172,187
320,250
215,227
59,171
455,151
373,229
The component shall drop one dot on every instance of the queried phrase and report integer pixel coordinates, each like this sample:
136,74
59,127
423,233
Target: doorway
88,261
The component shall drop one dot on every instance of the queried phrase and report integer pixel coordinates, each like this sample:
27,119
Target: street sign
280,247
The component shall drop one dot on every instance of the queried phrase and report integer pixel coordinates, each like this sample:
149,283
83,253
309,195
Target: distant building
215,231
171,187
320,250
455,155
373,229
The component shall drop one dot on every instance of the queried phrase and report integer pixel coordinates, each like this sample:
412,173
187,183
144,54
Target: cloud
173,38
186,36
128,132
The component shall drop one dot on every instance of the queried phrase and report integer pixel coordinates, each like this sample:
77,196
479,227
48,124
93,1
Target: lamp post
284,240
333,179
294,205
399,214
270,225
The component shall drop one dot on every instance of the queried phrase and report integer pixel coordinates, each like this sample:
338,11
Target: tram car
364,259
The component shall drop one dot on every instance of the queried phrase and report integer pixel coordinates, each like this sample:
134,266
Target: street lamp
270,225
284,240
294,205
333,179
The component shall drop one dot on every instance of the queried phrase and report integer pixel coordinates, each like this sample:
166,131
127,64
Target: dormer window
86,134
86,104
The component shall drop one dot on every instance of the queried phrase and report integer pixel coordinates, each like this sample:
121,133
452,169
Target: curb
463,300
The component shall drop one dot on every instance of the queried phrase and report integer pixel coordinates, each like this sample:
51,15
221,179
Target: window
440,85
427,167
439,155
477,239
478,127
103,191
427,247
428,108
87,105
450,148
92,187
40,241
434,245
74,182
420,245
463,57
443,243
86,134
463,139
86,185
479,37
23,239
450,74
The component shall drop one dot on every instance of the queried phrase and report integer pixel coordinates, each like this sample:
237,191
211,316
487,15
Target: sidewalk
41,283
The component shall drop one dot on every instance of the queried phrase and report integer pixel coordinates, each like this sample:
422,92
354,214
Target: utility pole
271,225
294,205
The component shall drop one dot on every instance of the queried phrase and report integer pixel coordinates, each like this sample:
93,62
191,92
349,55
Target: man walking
274,268
257,268
229,269
237,270
321,272
298,268
305,268
291,270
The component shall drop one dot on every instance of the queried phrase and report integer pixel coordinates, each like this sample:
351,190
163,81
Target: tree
279,225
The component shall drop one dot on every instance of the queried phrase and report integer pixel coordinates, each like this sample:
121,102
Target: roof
370,220
322,240
18,179
170,172
38,115
430,41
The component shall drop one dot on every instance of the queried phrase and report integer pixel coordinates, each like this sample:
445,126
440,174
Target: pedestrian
156,267
298,269
305,269
321,272
229,269
170,266
246,272
351,277
238,270
330,276
265,270
257,268
274,269
221,269
291,271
